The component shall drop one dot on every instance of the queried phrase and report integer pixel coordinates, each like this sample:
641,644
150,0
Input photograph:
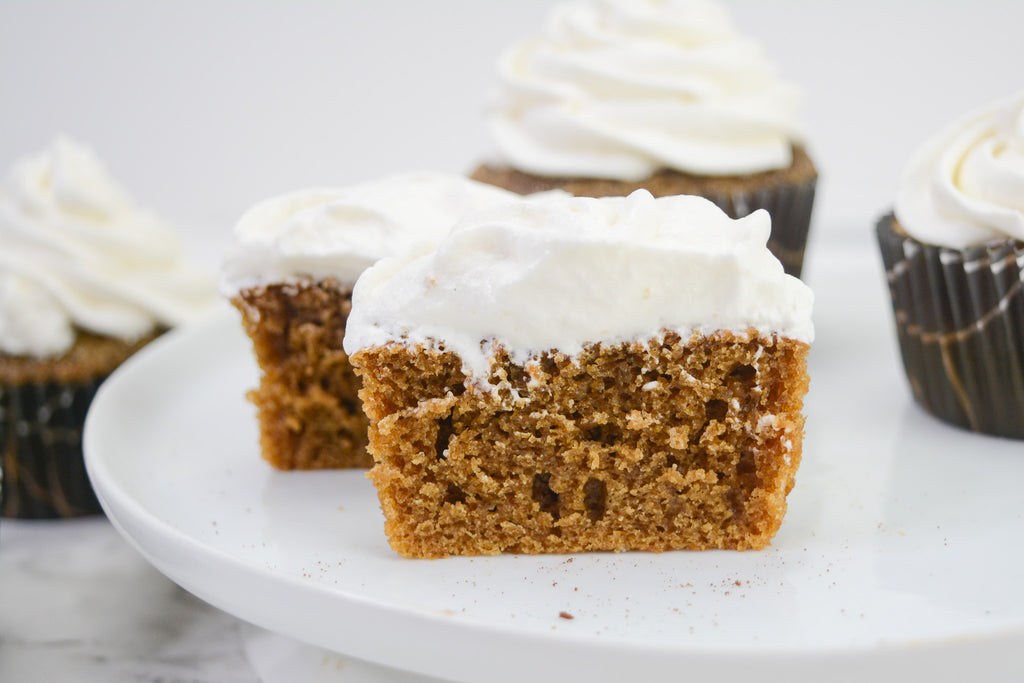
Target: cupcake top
620,89
339,232
78,253
965,185
559,272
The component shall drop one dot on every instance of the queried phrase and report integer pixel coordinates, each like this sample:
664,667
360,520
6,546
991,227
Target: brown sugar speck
565,615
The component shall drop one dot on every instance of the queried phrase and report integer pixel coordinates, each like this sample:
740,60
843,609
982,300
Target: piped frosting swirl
76,252
620,89
965,185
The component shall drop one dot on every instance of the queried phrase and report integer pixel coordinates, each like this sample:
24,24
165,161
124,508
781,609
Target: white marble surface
79,605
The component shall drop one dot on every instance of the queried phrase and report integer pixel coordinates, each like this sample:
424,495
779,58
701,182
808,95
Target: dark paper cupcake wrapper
42,466
960,322
790,207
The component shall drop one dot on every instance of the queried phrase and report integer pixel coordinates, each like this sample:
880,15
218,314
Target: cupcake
572,374
86,279
619,95
290,272
953,249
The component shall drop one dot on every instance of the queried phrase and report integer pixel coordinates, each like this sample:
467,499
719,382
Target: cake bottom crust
669,445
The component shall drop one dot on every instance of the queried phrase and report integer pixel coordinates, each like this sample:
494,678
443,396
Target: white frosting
965,186
78,253
622,88
338,233
560,272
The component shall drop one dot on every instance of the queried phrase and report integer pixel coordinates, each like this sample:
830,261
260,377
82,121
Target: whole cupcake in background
618,95
86,279
954,257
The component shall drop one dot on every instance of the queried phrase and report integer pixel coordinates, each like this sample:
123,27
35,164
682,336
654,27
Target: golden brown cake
627,447
290,273
308,397
522,398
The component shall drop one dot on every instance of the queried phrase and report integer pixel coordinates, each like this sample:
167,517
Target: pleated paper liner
43,468
960,321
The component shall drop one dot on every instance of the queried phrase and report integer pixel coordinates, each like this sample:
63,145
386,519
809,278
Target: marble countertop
78,604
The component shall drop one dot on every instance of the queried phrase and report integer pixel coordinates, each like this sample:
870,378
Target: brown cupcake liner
43,469
960,322
790,207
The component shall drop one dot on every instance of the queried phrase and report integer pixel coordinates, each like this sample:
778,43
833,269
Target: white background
203,108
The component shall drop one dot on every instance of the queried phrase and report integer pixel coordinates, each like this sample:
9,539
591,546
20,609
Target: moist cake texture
503,420
290,273
676,444
308,396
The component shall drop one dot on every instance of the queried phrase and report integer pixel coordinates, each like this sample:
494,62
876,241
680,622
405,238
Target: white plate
901,554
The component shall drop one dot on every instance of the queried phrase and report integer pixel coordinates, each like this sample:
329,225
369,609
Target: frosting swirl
620,89
77,253
965,185
559,272
339,232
